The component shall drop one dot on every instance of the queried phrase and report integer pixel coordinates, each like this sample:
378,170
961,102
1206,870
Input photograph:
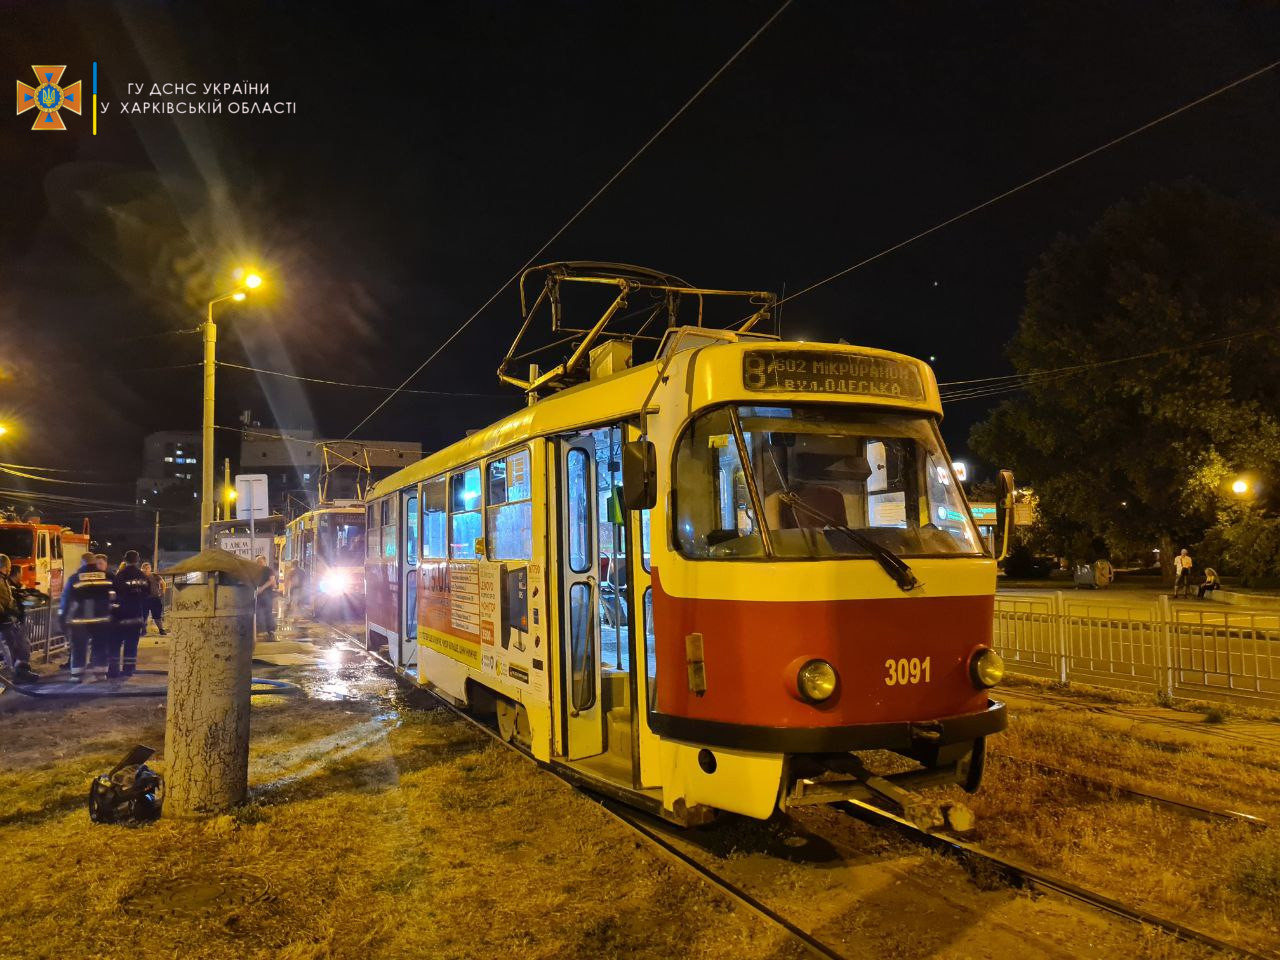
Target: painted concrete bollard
206,737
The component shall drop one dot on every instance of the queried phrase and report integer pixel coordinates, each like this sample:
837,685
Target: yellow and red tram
322,560
703,582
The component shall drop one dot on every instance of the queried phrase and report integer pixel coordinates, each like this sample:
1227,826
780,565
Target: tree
1150,350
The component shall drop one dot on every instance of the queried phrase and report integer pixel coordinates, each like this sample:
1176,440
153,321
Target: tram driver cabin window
466,525
827,479
373,542
509,512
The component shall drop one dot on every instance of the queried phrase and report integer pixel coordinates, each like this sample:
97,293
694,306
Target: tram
705,582
322,562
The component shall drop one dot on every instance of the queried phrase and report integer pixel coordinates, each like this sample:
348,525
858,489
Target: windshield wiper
891,563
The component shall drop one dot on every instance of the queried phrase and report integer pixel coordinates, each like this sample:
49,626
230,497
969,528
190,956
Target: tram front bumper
901,736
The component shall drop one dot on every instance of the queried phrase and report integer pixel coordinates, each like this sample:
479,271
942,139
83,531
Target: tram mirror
639,475
1004,514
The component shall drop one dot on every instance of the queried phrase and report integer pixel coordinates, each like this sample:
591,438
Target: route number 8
904,672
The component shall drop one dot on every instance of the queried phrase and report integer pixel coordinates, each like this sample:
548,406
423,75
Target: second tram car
705,582
322,562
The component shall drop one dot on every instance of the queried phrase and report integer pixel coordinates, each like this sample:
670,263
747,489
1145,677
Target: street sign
251,496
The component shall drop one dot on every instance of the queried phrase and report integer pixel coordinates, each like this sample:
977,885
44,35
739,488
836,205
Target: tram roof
619,396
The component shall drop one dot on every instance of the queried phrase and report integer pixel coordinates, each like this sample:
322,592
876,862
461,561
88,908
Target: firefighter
86,611
74,635
129,615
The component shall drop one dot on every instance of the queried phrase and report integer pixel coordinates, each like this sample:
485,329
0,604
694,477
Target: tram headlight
816,681
335,583
986,668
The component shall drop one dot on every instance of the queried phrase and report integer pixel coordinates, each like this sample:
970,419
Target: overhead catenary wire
995,386
573,219
1034,180
359,386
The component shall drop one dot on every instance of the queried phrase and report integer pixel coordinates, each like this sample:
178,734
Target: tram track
1023,875
974,858
1148,796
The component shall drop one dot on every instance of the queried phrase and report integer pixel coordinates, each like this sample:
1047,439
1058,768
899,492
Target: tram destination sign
813,371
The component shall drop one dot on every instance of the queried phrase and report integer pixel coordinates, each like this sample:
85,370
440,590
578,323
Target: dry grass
412,839
1222,877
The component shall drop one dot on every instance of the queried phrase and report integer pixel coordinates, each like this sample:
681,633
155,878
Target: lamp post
251,281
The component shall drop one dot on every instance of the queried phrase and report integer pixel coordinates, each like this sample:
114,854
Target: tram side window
411,529
509,522
44,546
465,522
57,546
435,541
373,542
388,529
579,511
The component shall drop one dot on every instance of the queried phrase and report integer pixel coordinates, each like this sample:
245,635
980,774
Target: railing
1189,652
42,630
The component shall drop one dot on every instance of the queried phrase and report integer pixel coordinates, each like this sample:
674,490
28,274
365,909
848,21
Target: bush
1022,564
1257,870
1250,547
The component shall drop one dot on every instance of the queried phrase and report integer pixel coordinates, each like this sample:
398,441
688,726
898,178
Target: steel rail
1164,800
1023,875
1015,873
626,817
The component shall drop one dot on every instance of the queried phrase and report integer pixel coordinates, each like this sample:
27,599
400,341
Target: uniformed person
86,611
129,615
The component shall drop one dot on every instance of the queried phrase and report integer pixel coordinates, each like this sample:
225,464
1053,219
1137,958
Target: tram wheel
513,722
970,767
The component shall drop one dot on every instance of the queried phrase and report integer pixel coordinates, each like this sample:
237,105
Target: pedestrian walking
1182,573
13,640
129,616
155,602
264,596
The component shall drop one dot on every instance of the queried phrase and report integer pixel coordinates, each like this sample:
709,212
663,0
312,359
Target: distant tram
703,582
322,562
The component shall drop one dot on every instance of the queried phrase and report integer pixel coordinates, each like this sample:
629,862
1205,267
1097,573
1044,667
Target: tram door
580,598
408,658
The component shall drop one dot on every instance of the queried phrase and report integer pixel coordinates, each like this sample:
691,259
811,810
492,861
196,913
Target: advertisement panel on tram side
478,613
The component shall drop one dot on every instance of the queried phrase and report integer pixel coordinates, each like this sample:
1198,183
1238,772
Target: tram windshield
342,539
831,481
17,541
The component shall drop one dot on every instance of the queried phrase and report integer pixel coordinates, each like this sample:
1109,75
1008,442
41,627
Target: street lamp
1240,487
248,280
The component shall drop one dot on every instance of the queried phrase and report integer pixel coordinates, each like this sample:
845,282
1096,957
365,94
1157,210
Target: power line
990,386
568,223
71,483
361,386
1034,180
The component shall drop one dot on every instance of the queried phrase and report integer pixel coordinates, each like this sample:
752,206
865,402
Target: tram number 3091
904,672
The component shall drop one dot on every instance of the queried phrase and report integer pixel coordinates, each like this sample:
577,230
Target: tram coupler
894,789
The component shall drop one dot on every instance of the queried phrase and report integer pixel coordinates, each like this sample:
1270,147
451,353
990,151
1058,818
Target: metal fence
43,631
1204,653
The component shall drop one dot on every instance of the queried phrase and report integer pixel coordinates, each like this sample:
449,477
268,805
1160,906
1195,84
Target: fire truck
37,550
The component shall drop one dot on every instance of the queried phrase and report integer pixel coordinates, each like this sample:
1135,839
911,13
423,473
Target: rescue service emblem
48,98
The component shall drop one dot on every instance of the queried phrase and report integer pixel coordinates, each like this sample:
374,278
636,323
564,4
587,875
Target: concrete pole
206,736
206,453
155,545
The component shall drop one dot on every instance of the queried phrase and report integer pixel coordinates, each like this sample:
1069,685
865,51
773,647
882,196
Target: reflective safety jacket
132,592
91,598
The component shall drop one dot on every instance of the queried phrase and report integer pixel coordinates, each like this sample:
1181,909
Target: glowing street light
247,280
1240,487
3,429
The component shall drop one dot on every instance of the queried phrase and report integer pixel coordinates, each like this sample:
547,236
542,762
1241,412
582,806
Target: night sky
436,146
